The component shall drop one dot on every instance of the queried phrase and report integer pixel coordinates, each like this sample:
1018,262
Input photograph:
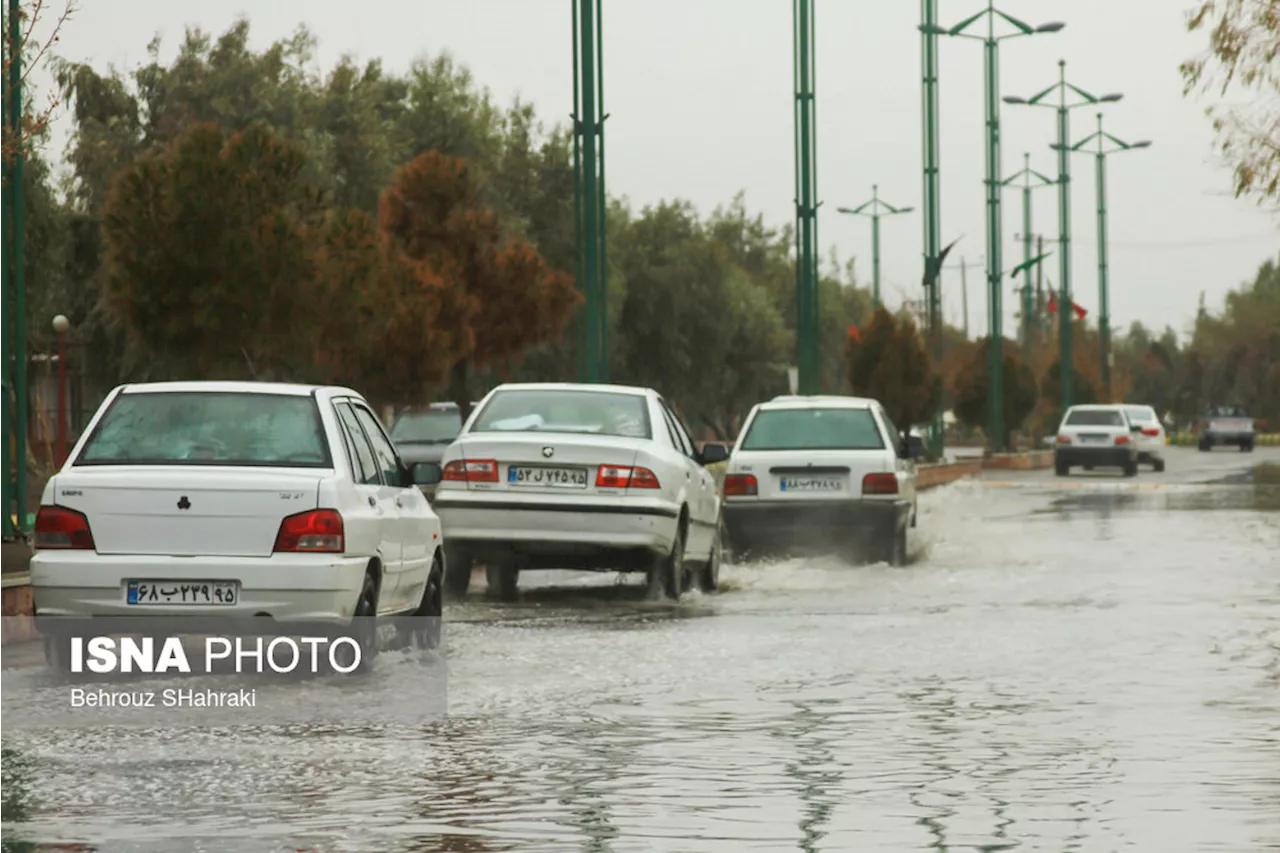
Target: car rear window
591,412
1141,414
207,428
1095,417
427,427
813,429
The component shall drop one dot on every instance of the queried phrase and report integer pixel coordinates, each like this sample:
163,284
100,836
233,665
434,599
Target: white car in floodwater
831,471
569,476
195,500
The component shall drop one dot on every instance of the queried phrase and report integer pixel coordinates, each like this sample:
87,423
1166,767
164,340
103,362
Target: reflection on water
1035,682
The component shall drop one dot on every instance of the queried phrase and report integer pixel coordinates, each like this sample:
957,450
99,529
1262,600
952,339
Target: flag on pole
1053,306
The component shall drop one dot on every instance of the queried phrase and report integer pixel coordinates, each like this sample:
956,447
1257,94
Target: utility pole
1027,174
875,208
1040,289
589,199
808,356
15,301
932,191
1104,301
1063,108
964,294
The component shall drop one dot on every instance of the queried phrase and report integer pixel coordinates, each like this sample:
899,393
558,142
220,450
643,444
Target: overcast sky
700,97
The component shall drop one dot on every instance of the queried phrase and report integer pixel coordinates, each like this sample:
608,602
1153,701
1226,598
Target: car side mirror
710,454
426,473
1135,428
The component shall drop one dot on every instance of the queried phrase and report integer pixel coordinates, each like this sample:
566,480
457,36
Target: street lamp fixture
995,268
1063,107
1106,146
875,208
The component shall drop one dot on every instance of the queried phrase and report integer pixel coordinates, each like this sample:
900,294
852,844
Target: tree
391,326
889,362
509,298
1083,391
33,51
1020,392
209,249
1244,43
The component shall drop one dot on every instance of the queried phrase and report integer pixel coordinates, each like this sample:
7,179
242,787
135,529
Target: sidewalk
16,556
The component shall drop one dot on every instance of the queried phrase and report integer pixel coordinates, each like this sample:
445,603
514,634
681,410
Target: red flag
855,334
1053,302
1080,312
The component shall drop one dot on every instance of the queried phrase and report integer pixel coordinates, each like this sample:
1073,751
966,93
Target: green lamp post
1104,303
875,209
1027,174
994,254
589,198
1063,108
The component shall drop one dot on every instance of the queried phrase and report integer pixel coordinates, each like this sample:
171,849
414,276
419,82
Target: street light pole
589,193
1027,174
875,208
1104,300
15,312
60,326
808,356
991,69
1066,366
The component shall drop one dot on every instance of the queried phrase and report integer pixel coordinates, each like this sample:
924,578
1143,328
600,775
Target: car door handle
373,501
399,502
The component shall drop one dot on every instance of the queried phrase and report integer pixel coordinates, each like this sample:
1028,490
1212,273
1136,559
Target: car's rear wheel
1131,468
503,578
666,572
709,572
57,652
1246,447
893,549
1205,445
1061,469
424,627
1158,466
457,579
363,629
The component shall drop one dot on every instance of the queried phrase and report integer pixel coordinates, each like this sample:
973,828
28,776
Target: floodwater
1090,664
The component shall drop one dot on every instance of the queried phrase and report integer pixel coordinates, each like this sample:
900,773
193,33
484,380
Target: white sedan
1150,437
567,476
826,471
208,500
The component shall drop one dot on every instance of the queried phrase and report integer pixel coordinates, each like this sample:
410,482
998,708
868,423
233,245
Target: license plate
560,478
216,593
1093,439
810,484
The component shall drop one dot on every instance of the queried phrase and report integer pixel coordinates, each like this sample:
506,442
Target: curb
1270,439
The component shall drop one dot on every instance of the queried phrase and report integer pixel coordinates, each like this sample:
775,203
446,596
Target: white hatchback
568,476
209,500
826,471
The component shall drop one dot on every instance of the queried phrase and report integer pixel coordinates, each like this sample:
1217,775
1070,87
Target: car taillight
740,484
624,477
1151,432
1122,439
471,470
66,529
1064,439
881,483
314,531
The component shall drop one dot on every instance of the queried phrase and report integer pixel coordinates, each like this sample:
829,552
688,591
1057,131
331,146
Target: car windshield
813,429
438,426
206,428
1095,417
554,410
1140,414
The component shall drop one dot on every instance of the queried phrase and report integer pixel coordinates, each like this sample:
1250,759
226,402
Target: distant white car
1096,436
569,476
235,499
834,471
1150,436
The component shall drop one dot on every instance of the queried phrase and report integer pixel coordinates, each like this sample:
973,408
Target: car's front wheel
1158,466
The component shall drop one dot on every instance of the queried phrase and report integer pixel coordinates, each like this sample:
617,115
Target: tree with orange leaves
506,297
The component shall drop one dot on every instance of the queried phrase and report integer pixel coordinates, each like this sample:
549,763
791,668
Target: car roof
1098,407
230,387
796,401
574,386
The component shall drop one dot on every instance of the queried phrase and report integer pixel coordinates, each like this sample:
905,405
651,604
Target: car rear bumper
1227,437
586,534
286,587
770,525
1107,456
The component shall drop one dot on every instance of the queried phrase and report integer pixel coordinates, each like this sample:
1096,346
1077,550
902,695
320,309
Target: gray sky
700,97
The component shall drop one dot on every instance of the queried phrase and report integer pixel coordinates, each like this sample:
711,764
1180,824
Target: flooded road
1085,664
